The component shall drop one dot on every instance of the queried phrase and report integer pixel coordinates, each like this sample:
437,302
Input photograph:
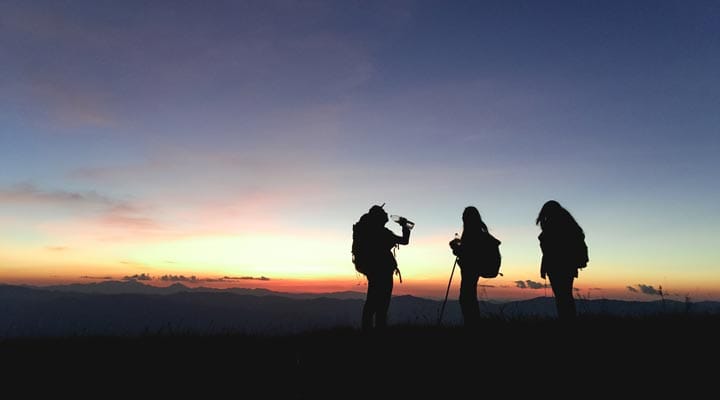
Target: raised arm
405,238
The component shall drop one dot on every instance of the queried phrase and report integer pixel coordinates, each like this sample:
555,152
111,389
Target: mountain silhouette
99,309
137,287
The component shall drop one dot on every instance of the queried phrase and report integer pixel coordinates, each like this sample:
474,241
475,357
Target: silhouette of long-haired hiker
564,251
373,246
470,249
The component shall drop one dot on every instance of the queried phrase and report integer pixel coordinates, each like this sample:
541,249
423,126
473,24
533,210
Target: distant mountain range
137,287
132,308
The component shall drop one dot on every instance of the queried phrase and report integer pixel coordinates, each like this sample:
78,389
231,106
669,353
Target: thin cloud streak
183,278
56,248
26,193
231,278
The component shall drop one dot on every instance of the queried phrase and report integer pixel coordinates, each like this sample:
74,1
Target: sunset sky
242,139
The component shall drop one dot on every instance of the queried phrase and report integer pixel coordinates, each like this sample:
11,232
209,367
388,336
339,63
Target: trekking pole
442,310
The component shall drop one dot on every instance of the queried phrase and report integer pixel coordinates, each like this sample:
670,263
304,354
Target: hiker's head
548,212
552,214
378,214
471,215
551,206
472,219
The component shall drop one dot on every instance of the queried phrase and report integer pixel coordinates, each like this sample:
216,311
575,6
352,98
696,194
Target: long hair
472,221
554,216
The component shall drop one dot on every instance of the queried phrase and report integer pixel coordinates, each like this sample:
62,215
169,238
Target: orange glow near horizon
499,289
319,261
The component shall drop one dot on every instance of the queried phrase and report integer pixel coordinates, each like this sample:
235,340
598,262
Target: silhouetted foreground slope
598,356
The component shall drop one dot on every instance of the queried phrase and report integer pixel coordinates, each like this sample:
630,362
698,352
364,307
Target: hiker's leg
562,287
385,284
371,300
468,298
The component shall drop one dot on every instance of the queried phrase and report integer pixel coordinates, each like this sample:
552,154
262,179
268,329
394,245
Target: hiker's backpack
581,253
366,255
485,258
490,267
359,251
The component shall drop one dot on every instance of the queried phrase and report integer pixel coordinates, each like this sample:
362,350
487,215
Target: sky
234,143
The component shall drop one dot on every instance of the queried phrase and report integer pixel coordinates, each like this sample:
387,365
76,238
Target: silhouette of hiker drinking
373,256
564,251
470,248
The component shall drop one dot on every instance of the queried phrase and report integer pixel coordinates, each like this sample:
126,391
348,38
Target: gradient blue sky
169,137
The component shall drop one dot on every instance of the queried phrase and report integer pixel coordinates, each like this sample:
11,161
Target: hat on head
376,209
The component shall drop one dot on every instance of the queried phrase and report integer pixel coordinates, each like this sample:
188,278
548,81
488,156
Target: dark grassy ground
597,356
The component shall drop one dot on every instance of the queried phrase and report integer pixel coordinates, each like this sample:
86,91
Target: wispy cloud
112,211
179,278
260,278
27,193
73,104
646,289
195,279
528,284
96,277
89,213
120,220
138,277
264,63
56,248
128,262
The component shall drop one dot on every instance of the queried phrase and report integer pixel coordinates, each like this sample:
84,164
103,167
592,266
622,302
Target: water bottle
402,221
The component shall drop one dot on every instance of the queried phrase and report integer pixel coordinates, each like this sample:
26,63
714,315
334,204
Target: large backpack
365,255
359,251
581,253
485,258
490,267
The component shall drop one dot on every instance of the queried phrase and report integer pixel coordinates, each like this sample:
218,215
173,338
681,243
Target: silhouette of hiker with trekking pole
478,255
